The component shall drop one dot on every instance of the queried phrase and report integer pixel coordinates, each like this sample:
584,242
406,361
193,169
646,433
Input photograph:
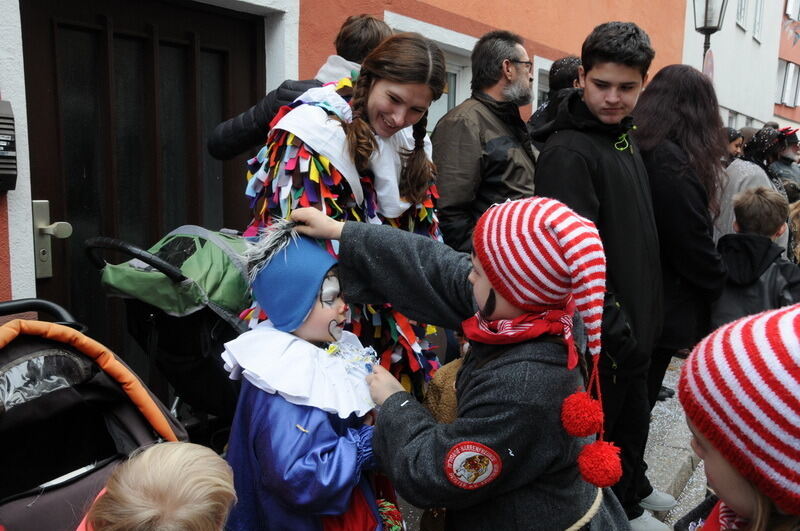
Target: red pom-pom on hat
599,464
582,415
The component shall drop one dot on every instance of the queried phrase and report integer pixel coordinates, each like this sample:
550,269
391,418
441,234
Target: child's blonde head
167,487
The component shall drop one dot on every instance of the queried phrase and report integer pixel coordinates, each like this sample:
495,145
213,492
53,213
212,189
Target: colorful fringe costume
306,162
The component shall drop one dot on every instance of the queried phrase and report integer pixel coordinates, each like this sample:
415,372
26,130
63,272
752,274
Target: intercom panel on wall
8,148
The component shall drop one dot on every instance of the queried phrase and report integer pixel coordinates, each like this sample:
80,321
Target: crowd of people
554,267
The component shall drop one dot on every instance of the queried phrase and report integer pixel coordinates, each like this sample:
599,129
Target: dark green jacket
483,156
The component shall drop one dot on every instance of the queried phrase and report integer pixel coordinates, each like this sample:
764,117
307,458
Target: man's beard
519,93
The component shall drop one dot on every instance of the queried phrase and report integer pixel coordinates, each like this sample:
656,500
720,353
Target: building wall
790,52
16,259
551,29
744,67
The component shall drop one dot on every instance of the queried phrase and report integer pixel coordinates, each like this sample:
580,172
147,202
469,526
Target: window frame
793,9
758,19
741,14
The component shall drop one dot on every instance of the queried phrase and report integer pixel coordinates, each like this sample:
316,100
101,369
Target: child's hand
313,223
382,384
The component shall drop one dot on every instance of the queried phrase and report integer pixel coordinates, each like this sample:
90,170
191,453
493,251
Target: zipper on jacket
613,365
623,144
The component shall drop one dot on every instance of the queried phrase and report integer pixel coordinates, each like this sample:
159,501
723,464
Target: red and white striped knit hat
539,254
741,388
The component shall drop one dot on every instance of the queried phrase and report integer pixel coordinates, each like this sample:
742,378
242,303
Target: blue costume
295,464
298,445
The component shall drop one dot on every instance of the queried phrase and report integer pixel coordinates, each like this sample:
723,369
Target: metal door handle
43,232
59,229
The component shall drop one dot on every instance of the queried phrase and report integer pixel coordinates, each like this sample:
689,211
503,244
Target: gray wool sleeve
511,409
423,279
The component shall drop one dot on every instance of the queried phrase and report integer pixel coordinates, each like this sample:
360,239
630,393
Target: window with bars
787,84
758,16
741,13
793,9
450,98
732,119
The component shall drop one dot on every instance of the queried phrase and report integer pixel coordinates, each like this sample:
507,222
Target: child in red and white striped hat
518,454
740,389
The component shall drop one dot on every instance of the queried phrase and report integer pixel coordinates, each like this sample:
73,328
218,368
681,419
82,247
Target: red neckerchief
722,518
523,328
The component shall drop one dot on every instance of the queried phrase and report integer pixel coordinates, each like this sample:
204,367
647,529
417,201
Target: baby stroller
183,297
70,410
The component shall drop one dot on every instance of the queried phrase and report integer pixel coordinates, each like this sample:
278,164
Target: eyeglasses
529,64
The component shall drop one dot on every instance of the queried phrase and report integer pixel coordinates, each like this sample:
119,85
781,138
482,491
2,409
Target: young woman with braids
358,150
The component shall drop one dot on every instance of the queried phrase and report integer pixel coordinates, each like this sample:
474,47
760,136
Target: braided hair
402,58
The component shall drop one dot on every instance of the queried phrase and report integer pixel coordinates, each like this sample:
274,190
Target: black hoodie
759,278
595,169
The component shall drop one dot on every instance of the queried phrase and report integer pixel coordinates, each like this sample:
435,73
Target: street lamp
708,16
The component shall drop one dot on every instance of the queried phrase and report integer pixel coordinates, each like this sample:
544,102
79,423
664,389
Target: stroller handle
98,243
44,306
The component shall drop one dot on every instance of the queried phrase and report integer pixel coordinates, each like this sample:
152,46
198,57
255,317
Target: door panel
121,97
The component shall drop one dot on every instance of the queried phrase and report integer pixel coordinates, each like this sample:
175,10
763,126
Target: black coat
692,268
759,278
596,170
249,129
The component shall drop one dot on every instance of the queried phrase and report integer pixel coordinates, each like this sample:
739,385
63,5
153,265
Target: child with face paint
301,439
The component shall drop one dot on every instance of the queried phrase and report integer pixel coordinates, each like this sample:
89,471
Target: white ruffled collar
302,373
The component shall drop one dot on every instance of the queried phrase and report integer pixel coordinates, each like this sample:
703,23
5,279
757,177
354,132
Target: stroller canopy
216,275
70,409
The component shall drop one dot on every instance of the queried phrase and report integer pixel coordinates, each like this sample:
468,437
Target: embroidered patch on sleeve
470,465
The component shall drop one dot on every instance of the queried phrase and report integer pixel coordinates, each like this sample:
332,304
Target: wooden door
121,96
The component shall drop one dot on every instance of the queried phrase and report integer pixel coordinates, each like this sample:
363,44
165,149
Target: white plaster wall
784,122
12,89
745,69
281,25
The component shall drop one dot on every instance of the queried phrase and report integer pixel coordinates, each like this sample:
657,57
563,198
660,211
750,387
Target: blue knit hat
287,286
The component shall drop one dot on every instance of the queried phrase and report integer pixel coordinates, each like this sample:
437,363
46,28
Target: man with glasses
481,148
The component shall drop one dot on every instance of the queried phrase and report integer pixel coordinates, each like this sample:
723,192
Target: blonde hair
768,518
167,487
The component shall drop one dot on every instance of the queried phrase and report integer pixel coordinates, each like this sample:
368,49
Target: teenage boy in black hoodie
759,278
590,163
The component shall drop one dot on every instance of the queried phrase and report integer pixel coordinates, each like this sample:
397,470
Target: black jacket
692,269
240,133
596,169
759,278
